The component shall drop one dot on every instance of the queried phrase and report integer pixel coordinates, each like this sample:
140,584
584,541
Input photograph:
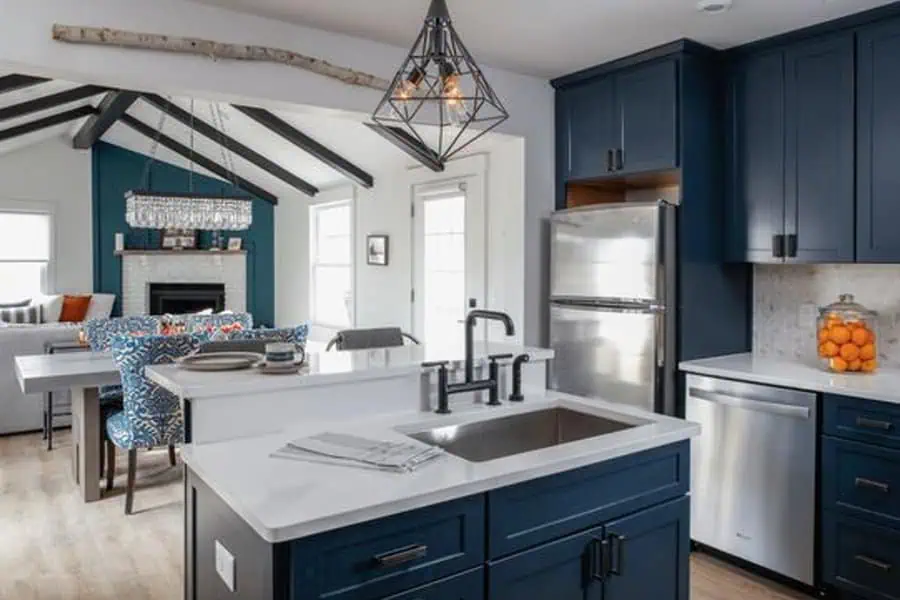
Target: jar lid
847,306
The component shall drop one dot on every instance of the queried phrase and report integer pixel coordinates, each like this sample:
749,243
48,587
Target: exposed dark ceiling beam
207,163
408,144
57,119
10,83
308,145
51,101
111,109
248,154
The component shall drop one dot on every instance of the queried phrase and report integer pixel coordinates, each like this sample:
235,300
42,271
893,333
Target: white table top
325,368
41,373
883,385
285,499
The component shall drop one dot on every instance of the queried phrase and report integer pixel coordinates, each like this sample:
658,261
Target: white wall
52,176
382,294
28,48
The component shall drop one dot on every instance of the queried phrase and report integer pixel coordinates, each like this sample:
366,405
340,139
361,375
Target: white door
449,258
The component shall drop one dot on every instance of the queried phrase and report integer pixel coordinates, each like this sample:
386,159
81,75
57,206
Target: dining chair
152,415
367,339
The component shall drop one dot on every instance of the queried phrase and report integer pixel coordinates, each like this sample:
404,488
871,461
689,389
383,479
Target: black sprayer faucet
471,320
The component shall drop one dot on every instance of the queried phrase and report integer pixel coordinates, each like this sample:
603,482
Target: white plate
220,361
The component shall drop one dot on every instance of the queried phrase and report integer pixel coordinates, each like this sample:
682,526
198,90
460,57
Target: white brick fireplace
141,268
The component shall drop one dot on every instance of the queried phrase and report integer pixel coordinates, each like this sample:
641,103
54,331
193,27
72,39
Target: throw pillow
101,306
51,306
74,308
23,314
19,304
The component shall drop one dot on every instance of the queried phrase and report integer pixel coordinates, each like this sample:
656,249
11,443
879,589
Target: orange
867,352
839,334
856,324
854,365
838,364
871,337
828,349
823,335
859,336
833,322
869,366
849,352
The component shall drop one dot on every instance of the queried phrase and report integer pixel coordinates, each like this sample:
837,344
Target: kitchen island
605,515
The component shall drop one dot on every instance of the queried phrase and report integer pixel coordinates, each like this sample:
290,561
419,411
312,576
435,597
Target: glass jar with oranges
847,337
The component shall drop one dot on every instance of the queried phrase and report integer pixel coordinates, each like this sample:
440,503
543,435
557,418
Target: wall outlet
225,565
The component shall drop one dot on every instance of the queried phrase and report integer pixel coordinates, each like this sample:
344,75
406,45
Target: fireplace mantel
177,252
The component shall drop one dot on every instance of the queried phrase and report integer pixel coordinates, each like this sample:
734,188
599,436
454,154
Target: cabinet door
758,155
878,144
819,192
647,112
560,570
649,554
590,130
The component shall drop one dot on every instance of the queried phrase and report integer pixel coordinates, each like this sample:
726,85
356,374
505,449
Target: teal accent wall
116,170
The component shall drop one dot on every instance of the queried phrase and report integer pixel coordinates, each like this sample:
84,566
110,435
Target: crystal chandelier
439,86
162,210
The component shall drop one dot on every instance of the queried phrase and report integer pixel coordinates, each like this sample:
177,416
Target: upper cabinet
620,123
792,147
878,143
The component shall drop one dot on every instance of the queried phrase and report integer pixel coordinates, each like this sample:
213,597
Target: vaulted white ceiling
550,38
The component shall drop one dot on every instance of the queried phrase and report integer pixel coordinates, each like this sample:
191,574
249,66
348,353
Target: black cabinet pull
862,482
872,562
616,543
597,557
610,166
874,424
791,245
778,245
620,159
401,556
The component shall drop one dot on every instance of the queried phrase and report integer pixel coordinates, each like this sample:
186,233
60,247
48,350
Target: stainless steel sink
515,434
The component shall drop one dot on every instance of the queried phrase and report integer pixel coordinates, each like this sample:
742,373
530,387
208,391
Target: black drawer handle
874,424
862,482
610,161
596,560
616,542
620,159
868,560
401,556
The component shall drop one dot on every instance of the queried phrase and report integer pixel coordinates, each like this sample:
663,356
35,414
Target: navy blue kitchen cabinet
878,143
619,123
792,148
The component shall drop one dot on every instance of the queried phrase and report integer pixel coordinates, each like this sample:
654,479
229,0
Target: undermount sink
507,436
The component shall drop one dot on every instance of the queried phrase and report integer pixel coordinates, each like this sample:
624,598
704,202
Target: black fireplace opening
183,298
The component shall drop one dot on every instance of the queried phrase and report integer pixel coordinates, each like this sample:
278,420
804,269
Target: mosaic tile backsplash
786,299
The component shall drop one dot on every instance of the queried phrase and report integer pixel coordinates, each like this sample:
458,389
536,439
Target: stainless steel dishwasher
753,473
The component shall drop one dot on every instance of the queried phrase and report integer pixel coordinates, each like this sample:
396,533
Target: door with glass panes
449,255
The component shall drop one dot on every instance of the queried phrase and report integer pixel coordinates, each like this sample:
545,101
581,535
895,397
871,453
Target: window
331,264
24,254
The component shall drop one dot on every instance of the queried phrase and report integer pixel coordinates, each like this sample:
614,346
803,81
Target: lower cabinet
860,557
465,586
612,561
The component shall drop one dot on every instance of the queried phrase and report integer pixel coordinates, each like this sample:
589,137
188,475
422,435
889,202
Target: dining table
82,373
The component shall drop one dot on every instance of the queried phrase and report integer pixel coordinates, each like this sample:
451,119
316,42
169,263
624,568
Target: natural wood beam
105,36
51,101
231,144
57,119
205,162
10,83
111,109
408,144
308,145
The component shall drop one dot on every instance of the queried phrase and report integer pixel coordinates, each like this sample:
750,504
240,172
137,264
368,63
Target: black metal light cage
439,84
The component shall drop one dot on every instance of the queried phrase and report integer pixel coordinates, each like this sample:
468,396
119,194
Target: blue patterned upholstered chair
152,415
203,323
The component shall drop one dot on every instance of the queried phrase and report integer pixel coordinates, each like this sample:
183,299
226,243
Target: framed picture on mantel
178,239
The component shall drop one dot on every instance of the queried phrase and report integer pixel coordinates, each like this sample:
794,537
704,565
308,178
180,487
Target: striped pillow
24,314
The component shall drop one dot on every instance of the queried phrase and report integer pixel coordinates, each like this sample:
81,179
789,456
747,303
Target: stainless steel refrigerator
612,303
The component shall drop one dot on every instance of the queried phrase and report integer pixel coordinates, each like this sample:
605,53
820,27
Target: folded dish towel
344,449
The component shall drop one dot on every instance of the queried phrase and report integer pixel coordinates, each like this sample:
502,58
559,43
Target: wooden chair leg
172,454
110,464
129,489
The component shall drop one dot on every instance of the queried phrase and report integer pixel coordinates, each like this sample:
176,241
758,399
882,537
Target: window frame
314,211
48,282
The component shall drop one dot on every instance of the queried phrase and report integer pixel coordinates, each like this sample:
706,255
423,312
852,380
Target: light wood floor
53,547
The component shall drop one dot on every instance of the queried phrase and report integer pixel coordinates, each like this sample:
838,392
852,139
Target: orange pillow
74,308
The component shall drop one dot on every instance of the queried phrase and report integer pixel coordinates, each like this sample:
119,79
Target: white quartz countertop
40,373
284,499
884,385
324,368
